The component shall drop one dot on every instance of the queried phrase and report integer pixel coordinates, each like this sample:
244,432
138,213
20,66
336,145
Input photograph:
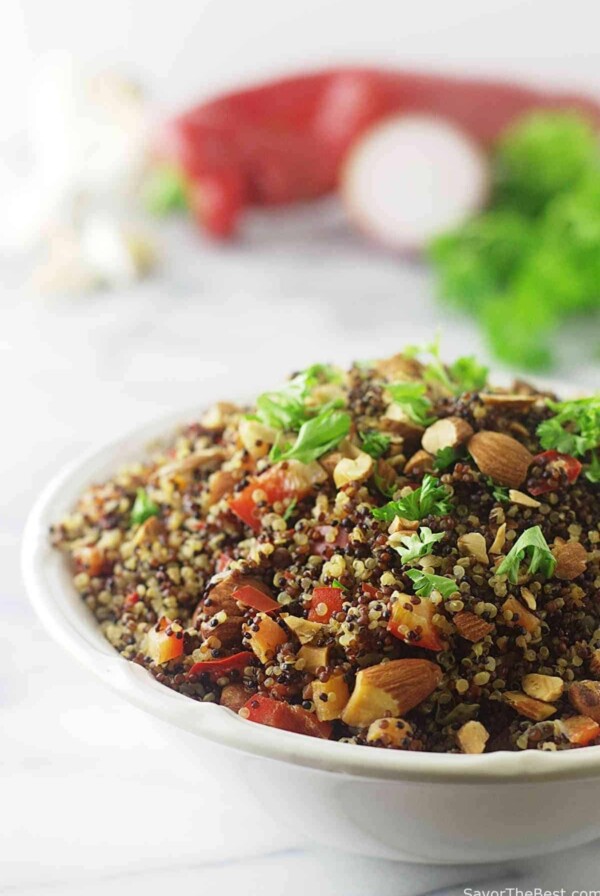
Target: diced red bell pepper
325,603
581,730
321,545
256,599
371,590
285,481
556,464
222,563
415,626
164,641
223,665
131,600
276,714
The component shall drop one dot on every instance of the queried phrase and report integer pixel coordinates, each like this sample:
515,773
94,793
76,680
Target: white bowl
422,807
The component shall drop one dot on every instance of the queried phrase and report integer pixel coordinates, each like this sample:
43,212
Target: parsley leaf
575,428
337,584
531,545
413,401
430,499
285,409
592,474
317,436
445,457
416,545
425,582
289,509
468,374
499,492
375,443
143,508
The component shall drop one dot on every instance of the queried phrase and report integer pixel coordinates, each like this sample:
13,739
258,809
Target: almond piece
499,540
399,367
500,457
353,469
421,460
147,531
471,627
396,420
390,733
304,630
546,688
472,544
472,737
515,614
522,499
571,560
508,401
391,688
594,664
204,457
584,696
446,433
528,707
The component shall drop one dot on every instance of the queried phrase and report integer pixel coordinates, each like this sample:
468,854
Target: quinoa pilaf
400,556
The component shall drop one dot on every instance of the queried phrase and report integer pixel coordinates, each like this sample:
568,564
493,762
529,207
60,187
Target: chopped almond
446,433
304,630
571,560
500,457
584,696
547,688
471,627
499,540
528,706
472,544
472,737
391,688
421,460
355,469
522,499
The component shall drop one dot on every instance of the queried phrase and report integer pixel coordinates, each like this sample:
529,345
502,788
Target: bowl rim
71,624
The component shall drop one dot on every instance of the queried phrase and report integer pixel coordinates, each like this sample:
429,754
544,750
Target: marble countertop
93,799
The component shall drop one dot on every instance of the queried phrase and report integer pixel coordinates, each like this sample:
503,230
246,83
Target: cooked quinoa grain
310,565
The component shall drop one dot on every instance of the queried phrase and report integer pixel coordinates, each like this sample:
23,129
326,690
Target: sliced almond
508,401
472,544
390,733
421,460
522,499
471,627
499,540
256,437
571,560
356,469
500,457
399,367
547,688
515,614
584,696
392,689
147,531
402,525
529,598
472,737
304,630
446,433
528,707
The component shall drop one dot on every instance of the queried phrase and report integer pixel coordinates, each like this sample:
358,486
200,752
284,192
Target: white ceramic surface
374,802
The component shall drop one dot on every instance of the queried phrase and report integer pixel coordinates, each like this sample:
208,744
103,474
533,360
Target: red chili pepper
325,603
256,599
277,714
222,665
284,141
560,466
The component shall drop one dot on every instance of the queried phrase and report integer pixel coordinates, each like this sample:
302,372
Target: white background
94,799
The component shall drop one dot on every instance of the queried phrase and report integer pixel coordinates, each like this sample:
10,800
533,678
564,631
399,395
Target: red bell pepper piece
283,482
325,603
581,730
284,141
321,545
223,561
256,599
216,668
131,600
276,714
416,626
556,464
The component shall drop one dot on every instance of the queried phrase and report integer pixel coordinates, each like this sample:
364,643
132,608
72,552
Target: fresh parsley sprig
574,428
316,436
374,443
426,582
531,546
418,544
143,508
445,457
412,399
286,408
430,499
466,374
592,474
